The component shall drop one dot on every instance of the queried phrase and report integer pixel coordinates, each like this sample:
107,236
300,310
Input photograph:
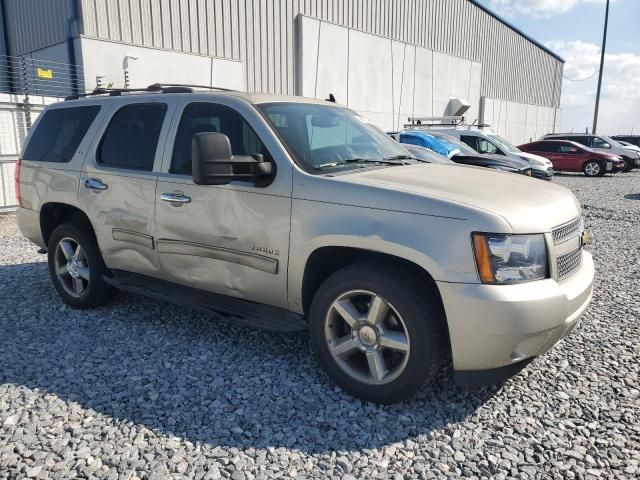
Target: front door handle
94,184
175,198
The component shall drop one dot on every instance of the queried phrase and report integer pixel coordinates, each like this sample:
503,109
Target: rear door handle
94,184
175,198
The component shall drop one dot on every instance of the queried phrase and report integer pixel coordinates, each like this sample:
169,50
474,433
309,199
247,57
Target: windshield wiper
385,161
400,157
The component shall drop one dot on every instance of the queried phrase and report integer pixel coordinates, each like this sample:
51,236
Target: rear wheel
592,168
76,267
377,332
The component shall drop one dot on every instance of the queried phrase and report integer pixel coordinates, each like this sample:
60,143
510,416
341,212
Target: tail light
16,177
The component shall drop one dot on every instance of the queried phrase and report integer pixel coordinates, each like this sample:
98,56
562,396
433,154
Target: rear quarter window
59,133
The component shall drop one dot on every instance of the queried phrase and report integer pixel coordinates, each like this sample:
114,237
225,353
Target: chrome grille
567,231
568,263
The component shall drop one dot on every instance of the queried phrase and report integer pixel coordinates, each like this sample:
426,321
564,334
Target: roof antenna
331,98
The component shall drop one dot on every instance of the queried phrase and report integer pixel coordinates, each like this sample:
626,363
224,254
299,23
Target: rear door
572,158
118,183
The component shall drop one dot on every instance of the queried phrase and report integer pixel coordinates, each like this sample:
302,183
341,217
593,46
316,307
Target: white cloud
620,100
541,8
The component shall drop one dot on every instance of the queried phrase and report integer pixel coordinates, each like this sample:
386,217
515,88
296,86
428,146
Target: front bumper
495,326
616,167
542,173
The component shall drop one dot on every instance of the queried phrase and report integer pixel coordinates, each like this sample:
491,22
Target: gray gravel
142,390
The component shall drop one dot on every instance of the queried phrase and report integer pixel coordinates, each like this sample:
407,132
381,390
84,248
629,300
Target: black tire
420,310
629,164
97,291
593,168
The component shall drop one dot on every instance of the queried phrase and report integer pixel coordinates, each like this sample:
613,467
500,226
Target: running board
245,312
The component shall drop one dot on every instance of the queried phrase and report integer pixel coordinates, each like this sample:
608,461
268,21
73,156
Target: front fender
441,246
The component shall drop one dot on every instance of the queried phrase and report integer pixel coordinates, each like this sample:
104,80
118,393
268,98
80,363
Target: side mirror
214,164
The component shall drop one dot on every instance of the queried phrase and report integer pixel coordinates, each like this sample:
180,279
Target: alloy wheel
71,267
592,169
367,337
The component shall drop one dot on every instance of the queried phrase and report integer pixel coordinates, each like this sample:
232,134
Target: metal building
388,59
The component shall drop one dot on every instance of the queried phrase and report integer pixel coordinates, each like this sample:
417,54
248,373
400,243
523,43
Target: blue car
423,139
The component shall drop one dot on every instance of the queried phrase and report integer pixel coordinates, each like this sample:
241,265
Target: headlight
504,259
534,161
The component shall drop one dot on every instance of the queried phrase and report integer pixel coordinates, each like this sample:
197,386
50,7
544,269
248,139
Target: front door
230,239
118,184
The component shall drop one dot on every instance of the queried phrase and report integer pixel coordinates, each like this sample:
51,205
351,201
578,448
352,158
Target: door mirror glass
214,164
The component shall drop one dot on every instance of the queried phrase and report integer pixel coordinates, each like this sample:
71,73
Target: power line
581,79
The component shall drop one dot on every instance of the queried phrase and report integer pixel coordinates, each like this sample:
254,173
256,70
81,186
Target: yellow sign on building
48,74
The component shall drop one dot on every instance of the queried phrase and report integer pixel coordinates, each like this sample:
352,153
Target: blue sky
573,29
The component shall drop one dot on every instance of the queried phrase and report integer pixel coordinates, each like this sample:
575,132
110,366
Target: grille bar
568,263
567,231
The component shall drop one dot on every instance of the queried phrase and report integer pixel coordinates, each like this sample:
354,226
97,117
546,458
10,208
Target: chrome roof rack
456,122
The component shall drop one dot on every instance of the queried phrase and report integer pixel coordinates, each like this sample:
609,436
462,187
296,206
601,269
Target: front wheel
629,164
593,169
378,332
76,267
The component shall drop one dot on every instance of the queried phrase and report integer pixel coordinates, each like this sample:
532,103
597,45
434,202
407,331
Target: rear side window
132,136
547,147
59,133
569,149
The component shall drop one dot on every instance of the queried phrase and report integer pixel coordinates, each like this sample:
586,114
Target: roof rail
155,87
456,122
164,86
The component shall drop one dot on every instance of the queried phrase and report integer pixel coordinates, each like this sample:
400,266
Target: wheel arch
54,214
326,260
592,160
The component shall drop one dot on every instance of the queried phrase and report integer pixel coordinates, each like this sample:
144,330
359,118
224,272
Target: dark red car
569,156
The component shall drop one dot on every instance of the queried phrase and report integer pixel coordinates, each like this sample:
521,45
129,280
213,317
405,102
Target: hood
497,160
631,147
528,205
531,156
608,156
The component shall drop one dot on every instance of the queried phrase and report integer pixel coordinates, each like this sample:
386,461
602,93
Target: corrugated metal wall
35,24
261,34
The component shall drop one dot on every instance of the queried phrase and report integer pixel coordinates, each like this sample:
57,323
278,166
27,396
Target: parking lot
141,389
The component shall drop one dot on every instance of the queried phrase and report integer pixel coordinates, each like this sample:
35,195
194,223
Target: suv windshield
504,145
463,147
331,137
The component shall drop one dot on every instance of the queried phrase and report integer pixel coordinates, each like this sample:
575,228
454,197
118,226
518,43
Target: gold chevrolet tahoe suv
290,213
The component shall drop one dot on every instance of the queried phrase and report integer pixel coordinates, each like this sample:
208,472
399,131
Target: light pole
604,45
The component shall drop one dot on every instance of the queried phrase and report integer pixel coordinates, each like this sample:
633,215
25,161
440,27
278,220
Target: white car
602,143
487,142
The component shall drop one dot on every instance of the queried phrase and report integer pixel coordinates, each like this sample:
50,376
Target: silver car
288,213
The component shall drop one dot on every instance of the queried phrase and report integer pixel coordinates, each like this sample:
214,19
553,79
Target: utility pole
604,45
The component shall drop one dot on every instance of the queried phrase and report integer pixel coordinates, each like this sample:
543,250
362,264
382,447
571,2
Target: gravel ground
146,390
